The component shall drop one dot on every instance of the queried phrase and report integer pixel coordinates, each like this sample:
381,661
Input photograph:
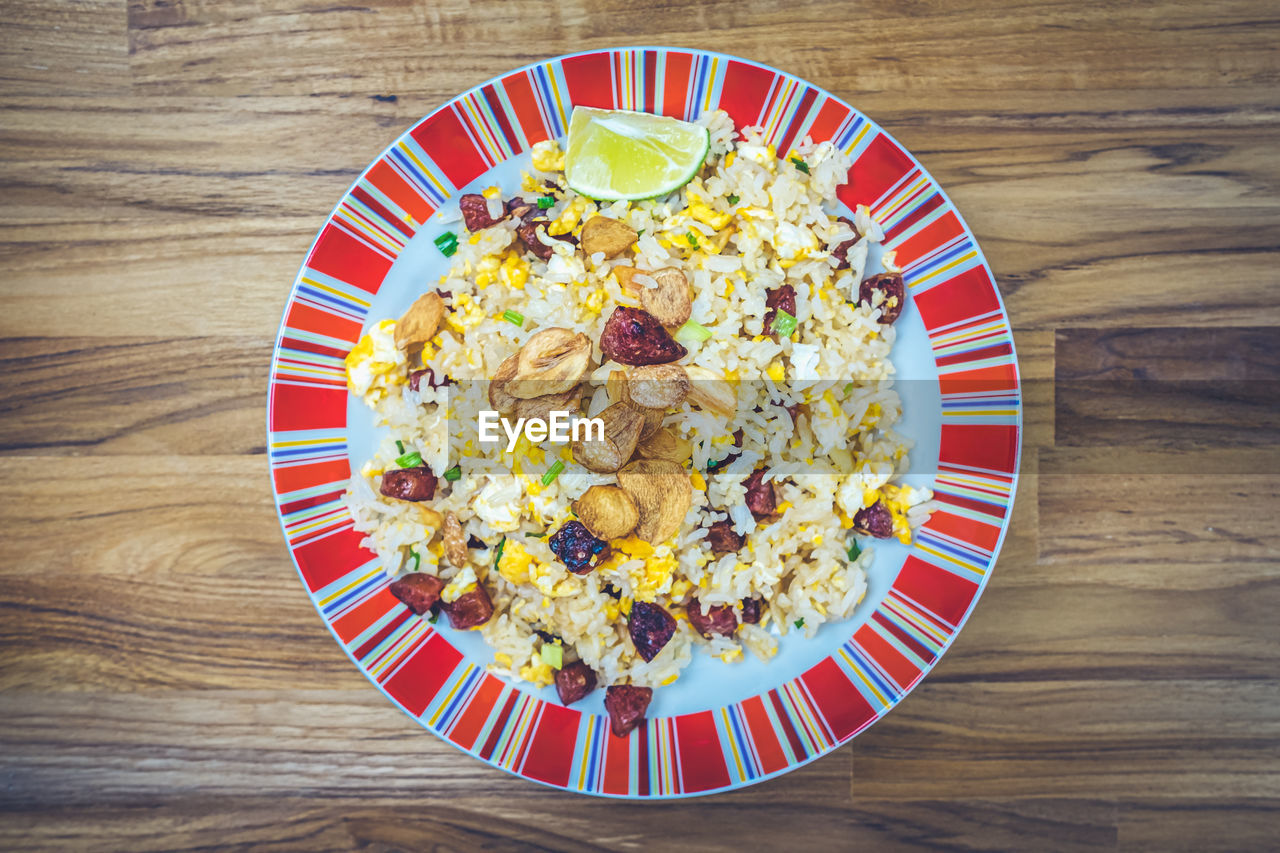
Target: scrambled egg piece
515,562
704,214
538,671
547,156
462,583
568,220
514,271
372,363
498,504
652,578
553,581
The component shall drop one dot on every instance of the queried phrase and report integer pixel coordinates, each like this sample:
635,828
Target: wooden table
164,683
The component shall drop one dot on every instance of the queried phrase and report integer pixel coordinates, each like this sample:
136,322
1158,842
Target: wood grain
165,685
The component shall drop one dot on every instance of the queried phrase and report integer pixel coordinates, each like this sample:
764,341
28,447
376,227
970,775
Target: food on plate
731,336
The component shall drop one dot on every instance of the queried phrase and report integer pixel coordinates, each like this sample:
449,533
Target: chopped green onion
854,550
640,232
417,560
733,199
553,655
552,472
848,389
453,474
400,447
497,557
546,201
800,622
695,332
515,318
693,241
784,324
434,617
447,243
531,535
800,164
410,460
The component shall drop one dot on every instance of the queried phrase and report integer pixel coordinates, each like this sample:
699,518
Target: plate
719,727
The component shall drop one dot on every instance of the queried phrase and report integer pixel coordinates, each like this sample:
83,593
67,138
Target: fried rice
747,224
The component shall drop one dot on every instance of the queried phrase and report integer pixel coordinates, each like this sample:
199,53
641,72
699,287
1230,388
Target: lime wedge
620,154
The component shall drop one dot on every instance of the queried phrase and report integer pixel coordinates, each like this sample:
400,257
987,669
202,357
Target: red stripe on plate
339,254
888,658
521,96
307,407
491,742
900,634
964,529
924,209
420,677
471,719
450,148
992,351
969,503
393,625
958,298
287,342
837,700
993,446
984,380
763,735
744,91
302,316
797,745
675,85
303,503
550,745
946,594
881,165
824,126
642,735
489,94
388,218
396,188
650,79
617,761
323,561
702,764
937,233
349,625
296,477
589,80
801,112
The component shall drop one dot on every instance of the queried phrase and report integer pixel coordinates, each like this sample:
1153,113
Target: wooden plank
349,823
182,395
80,48
1112,738
153,572
1186,387
297,47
